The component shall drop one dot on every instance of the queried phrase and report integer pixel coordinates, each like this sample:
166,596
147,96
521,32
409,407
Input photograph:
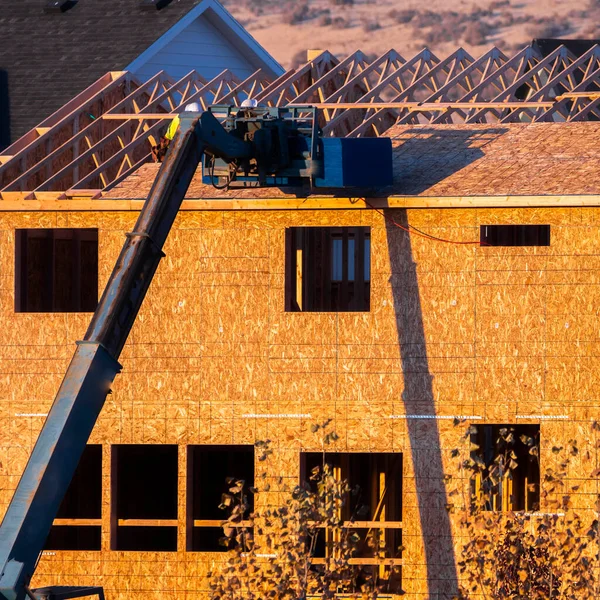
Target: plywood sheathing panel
463,161
214,359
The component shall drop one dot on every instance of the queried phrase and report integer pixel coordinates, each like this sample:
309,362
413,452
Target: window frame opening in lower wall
78,522
378,476
328,269
208,469
514,235
518,489
144,497
56,270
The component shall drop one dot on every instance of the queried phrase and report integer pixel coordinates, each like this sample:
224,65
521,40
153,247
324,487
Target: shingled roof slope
50,58
465,160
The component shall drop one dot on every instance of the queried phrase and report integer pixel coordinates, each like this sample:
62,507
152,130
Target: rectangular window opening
328,269
375,511
514,235
208,469
498,486
56,270
144,497
78,521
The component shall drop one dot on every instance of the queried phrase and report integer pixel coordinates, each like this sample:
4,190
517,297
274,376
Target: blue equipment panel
356,163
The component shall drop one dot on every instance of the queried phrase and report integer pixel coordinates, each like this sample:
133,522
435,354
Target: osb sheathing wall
507,334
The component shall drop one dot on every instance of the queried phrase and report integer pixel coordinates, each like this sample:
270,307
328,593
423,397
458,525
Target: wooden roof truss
81,150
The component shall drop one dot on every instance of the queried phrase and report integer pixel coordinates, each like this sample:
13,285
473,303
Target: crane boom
262,147
94,365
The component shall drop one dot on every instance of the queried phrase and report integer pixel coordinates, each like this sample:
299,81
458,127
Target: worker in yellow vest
159,152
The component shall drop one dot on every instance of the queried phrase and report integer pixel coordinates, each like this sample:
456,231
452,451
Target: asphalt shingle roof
50,58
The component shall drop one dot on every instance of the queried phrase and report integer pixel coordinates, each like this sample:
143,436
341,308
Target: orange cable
415,231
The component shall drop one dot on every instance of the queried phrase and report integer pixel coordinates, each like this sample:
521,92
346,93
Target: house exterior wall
510,335
201,46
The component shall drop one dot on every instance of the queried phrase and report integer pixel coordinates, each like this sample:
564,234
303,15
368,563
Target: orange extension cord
414,231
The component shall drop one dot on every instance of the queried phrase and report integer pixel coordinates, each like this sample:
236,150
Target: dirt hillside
287,28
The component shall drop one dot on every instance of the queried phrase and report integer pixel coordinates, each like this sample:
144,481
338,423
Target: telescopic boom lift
248,148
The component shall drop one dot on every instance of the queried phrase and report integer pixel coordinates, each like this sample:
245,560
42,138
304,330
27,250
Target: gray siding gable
200,46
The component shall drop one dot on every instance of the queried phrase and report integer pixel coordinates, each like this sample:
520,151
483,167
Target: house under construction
466,290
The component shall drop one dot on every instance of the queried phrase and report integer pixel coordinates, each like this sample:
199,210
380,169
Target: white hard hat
249,103
193,107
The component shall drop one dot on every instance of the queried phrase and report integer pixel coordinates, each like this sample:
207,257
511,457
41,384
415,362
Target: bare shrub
476,33
402,16
296,14
369,25
426,19
287,533
341,23
513,555
449,29
549,28
507,18
324,20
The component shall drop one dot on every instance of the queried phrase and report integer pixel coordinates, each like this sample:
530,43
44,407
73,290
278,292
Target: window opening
208,469
374,514
77,525
328,269
144,497
509,478
56,270
514,235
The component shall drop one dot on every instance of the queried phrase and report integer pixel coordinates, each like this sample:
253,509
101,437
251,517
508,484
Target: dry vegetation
504,555
288,28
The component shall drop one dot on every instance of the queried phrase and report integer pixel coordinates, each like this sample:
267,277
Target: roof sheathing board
518,159
443,147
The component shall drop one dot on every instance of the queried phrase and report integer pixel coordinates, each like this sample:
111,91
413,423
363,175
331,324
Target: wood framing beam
64,172
80,201
150,88
76,522
187,85
425,106
27,144
129,148
220,523
373,562
246,87
147,522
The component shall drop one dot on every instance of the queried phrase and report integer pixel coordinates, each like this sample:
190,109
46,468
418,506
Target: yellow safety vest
173,127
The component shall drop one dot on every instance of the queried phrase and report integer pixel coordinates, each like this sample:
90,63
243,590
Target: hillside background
287,28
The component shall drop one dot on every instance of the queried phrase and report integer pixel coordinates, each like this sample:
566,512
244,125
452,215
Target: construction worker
159,152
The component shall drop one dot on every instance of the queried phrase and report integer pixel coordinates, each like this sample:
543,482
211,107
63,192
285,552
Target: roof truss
80,148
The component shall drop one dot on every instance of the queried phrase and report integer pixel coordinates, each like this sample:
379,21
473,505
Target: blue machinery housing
289,151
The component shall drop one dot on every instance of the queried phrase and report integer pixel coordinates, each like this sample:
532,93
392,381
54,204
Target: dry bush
402,16
555,27
499,4
451,26
296,14
370,25
287,535
449,29
524,555
476,33
324,20
341,23
426,18
507,18
342,2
